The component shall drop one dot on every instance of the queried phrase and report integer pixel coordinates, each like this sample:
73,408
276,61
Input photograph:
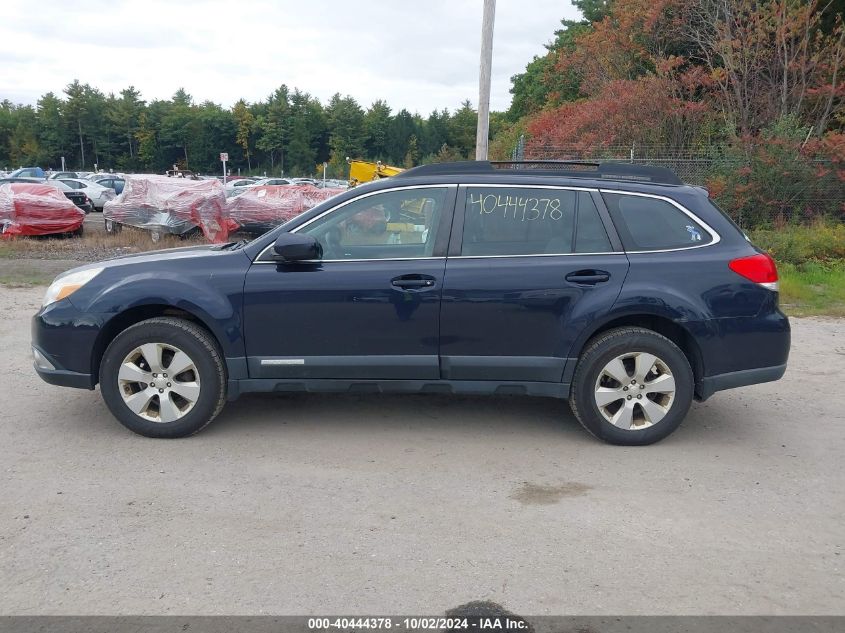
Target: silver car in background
96,192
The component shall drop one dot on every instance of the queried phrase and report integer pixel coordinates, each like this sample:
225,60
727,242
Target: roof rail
567,168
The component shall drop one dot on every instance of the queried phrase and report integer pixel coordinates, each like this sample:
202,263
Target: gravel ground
372,504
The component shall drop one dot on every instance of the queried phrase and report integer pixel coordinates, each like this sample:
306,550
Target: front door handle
412,281
588,277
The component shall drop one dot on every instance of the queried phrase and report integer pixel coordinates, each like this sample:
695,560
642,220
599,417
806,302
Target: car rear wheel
112,227
164,378
632,386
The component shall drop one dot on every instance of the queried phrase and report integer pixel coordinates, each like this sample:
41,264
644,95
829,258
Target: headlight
68,284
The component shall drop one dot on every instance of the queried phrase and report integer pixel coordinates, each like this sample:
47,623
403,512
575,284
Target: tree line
290,132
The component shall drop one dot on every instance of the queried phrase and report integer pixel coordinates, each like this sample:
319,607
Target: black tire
602,350
78,232
112,227
202,349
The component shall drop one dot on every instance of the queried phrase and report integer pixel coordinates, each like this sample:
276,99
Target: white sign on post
224,156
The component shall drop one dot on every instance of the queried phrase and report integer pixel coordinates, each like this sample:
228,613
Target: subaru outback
616,287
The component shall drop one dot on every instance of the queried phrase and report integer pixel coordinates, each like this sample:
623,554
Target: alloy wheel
635,390
159,382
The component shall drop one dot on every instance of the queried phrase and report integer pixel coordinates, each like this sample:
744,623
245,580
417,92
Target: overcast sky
418,55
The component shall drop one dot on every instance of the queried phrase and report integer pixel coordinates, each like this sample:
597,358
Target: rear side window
651,224
531,221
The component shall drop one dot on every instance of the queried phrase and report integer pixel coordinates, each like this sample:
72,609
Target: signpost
224,156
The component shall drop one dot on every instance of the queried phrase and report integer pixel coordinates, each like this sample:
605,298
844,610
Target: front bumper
61,377
63,340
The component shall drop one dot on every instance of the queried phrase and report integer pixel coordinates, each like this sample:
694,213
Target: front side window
531,221
393,224
652,224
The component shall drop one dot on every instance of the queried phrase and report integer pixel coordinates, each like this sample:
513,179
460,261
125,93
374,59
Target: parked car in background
271,181
100,175
333,183
261,208
97,192
164,205
614,286
28,172
79,198
7,179
57,175
112,181
236,185
30,208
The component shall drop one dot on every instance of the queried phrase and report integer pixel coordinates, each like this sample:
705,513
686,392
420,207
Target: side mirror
293,247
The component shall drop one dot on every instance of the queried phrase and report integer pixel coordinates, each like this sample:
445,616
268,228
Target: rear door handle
412,281
588,277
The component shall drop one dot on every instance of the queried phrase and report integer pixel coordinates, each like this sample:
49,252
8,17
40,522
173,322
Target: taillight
759,268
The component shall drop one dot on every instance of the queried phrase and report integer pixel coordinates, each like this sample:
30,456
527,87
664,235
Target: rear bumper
711,384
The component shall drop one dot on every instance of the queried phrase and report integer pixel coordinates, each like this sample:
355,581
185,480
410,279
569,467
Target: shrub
781,176
821,242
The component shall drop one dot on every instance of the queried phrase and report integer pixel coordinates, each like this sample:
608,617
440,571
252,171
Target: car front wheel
164,378
632,386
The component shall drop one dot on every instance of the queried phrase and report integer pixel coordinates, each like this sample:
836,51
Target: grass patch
812,289
823,241
128,240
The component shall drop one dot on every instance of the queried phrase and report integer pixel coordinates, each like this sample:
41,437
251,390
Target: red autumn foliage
624,112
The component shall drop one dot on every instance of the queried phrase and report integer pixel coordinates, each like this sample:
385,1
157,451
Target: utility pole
483,130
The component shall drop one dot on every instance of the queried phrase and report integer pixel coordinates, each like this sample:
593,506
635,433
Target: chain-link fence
798,190
693,166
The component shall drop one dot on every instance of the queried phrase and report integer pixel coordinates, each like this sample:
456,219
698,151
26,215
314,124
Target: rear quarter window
651,224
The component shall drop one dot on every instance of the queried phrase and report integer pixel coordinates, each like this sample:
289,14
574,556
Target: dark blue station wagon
616,287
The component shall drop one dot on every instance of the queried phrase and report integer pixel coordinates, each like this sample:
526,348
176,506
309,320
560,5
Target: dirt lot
372,504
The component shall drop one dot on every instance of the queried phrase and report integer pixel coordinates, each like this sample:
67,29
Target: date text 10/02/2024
419,623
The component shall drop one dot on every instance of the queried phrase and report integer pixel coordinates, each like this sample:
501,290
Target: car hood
175,255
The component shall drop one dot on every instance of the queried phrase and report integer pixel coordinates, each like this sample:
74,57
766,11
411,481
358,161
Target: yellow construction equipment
407,225
365,171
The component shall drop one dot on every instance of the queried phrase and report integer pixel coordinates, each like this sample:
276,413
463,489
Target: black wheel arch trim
630,317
